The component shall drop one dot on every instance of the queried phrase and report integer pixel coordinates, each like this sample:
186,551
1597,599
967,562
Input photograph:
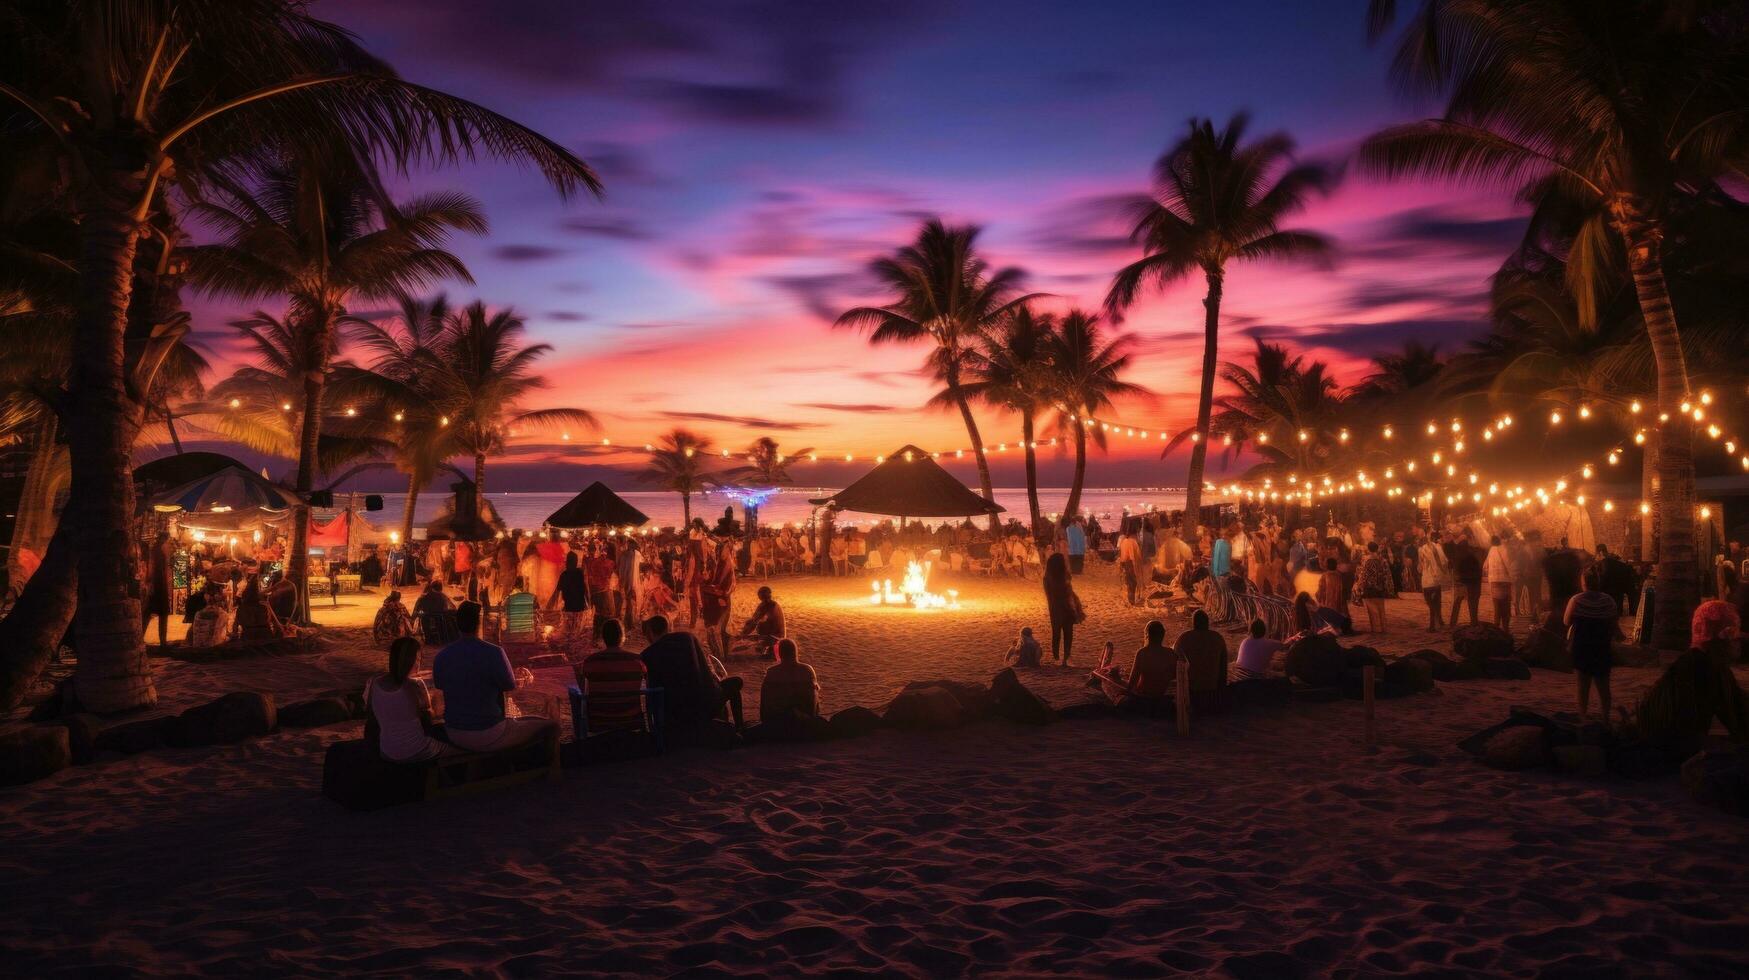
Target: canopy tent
597,506
910,484
230,489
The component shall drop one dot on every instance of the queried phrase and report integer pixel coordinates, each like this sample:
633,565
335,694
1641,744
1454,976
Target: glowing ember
913,591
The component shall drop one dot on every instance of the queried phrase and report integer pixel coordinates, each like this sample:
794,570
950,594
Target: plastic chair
519,617
653,711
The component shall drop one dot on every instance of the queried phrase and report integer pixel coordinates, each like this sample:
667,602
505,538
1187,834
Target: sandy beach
1267,846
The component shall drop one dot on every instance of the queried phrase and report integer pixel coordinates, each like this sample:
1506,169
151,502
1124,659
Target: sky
757,154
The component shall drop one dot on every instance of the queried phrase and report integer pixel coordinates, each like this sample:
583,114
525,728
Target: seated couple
473,675
1153,678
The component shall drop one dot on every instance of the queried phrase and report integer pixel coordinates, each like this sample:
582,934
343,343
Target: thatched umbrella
910,484
597,506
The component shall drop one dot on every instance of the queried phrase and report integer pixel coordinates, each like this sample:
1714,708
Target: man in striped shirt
612,679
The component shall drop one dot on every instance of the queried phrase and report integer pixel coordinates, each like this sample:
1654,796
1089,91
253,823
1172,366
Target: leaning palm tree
678,465
946,295
1010,370
131,97
488,374
320,230
411,370
1216,200
1612,110
1086,375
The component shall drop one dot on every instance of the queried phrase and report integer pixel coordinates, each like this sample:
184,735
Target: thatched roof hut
911,484
597,506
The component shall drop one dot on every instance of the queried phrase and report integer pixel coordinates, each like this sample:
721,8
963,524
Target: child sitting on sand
1025,652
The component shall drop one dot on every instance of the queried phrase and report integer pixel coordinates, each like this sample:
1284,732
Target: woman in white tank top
400,707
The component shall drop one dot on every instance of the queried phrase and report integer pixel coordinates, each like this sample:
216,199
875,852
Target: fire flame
913,591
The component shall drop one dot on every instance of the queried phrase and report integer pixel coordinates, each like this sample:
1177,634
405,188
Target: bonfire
913,590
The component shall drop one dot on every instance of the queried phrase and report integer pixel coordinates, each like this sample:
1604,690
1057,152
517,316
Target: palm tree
1282,409
488,374
679,465
767,467
1216,200
1529,110
39,299
320,230
133,96
1086,375
407,359
1010,369
1396,373
947,295
257,405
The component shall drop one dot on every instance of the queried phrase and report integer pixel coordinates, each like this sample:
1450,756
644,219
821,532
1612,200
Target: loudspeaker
373,501
322,498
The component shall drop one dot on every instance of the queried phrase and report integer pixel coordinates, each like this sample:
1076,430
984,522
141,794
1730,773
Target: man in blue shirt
474,676
1221,556
1077,545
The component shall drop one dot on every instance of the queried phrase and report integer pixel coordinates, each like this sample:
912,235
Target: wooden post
1182,698
1368,677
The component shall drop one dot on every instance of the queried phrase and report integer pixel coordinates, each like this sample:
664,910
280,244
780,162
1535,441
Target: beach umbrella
910,484
173,471
229,489
597,506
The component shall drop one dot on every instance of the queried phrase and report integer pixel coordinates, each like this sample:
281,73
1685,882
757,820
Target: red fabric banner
331,534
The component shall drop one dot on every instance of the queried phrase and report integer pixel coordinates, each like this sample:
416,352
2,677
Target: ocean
530,510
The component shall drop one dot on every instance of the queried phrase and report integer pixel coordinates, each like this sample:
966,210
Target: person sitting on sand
694,684
474,676
613,678
766,623
1155,671
398,709
255,619
1256,653
1025,652
392,622
791,689
432,601
1206,650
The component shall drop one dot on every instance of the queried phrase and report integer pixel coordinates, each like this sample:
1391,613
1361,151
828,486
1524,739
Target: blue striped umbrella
232,488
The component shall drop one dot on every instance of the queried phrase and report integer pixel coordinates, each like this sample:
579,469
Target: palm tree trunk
407,515
965,407
479,476
1204,404
170,427
1649,492
309,438
1073,507
30,633
114,673
685,511
1678,568
1031,466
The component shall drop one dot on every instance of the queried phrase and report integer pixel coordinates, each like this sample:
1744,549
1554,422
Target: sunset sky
758,154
